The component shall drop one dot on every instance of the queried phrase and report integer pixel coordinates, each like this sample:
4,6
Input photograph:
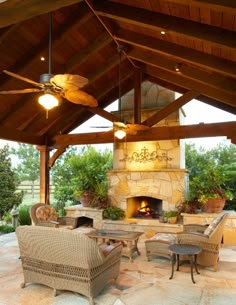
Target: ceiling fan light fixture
48,101
120,134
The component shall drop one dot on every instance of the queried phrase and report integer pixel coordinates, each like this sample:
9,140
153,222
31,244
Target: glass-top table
129,240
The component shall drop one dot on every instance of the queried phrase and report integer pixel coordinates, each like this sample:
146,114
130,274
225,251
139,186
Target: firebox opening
143,207
85,222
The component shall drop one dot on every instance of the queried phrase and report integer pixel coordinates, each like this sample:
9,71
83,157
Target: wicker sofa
66,260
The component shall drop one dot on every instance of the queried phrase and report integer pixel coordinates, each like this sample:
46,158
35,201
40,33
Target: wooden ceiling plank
174,106
155,133
178,53
15,11
171,24
61,32
101,41
226,6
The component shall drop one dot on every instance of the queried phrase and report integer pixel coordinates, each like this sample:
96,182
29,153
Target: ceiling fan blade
138,127
120,125
69,82
20,91
81,97
23,78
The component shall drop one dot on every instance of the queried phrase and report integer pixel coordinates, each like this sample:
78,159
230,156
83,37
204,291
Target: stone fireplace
150,169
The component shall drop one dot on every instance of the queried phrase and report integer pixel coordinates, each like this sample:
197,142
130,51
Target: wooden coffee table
129,240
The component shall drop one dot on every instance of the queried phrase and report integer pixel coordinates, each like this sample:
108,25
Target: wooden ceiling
200,36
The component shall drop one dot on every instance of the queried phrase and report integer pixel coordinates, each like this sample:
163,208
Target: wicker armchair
208,238
54,220
66,260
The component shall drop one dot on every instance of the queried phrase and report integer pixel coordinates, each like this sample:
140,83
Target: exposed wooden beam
227,129
15,11
56,155
178,53
175,105
212,80
157,22
103,113
215,92
19,136
201,98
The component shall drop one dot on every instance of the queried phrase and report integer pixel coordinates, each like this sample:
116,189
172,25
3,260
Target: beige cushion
165,237
84,230
213,225
46,213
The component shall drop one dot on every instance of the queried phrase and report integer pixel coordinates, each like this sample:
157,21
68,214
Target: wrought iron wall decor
145,156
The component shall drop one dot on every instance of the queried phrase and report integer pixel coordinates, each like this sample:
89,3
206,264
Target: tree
29,166
8,183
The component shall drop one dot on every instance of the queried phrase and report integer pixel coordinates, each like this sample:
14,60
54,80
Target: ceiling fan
54,87
121,128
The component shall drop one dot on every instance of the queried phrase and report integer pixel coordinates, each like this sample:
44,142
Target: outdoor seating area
139,282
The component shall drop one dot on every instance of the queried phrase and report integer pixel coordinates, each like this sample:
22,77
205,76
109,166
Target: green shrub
113,213
7,229
7,217
24,215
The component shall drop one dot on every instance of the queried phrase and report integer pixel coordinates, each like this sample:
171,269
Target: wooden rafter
227,129
172,24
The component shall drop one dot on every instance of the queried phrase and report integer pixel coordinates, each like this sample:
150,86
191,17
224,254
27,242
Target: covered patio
140,282
182,46
185,47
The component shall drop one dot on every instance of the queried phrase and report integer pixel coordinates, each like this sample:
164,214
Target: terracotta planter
214,205
172,220
86,199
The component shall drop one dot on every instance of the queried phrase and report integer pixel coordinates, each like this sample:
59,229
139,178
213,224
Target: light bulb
48,101
120,134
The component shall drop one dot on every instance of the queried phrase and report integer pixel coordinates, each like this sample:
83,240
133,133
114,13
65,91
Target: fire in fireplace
143,207
145,211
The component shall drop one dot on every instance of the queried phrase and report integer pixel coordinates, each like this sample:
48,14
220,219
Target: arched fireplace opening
143,207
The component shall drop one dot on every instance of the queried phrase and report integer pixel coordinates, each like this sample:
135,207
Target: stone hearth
167,185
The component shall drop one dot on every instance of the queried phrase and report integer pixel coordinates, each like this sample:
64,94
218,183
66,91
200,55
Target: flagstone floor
139,283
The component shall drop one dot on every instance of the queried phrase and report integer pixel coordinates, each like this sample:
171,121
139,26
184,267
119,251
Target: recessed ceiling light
41,58
163,32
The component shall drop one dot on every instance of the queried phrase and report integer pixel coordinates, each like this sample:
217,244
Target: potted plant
209,190
113,213
172,216
91,179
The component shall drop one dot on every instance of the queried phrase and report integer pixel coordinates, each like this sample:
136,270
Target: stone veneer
79,210
167,185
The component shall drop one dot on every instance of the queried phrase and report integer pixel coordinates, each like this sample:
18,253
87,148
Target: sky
196,112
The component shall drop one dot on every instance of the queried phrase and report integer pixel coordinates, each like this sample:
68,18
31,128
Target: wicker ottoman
158,245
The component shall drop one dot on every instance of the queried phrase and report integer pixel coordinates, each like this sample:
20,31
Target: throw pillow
46,213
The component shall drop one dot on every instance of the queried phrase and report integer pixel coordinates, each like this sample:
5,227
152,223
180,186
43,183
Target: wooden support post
44,173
